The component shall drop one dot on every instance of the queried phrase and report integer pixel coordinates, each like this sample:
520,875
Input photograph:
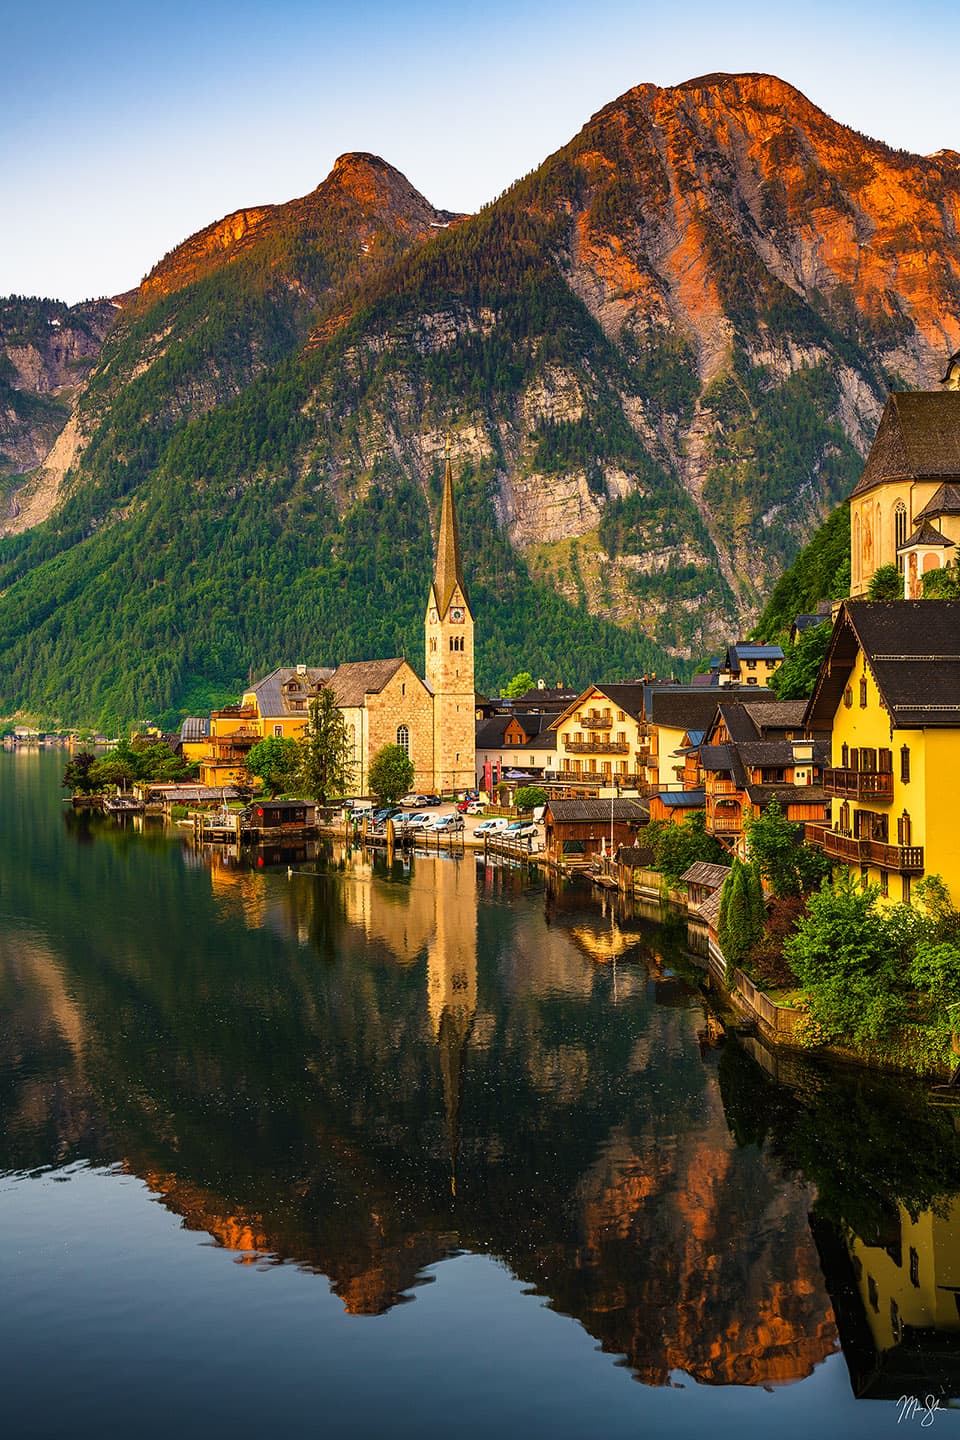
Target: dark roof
925,534
683,709
536,727
490,732
351,682
918,438
709,909
780,752
944,501
556,698
716,757
802,623
703,873
641,857
746,650
702,681
271,699
912,648
628,698
683,799
195,727
584,810
776,715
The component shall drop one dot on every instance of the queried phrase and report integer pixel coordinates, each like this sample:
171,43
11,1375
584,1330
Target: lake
314,1144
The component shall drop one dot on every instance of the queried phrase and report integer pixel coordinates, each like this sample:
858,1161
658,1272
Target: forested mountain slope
659,359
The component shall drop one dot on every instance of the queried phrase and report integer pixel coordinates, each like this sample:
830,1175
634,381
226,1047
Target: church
905,510
382,701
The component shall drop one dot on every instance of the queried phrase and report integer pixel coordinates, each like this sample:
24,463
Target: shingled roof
581,811
918,438
925,534
944,501
351,682
912,648
271,697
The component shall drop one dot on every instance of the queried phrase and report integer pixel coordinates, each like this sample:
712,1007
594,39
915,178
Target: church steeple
448,570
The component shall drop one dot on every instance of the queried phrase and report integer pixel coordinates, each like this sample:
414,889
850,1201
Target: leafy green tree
391,773
276,761
886,583
844,954
325,760
943,584
677,847
519,685
528,797
796,677
76,774
113,769
776,846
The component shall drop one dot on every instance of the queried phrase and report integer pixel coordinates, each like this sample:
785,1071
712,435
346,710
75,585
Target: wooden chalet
578,830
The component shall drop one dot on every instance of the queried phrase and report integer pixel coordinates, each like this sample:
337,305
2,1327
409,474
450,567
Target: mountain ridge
659,359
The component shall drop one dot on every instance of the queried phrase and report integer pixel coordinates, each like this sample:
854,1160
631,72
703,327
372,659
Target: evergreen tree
325,765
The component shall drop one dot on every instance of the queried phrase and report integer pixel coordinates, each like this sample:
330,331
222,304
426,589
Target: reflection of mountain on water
362,1070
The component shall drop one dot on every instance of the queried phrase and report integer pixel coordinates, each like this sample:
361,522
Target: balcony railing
859,784
596,747
597,777
904,859
595,720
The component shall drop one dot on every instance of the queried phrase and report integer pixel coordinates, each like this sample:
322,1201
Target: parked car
476,807
385,813
494,826
447,822
521,830
429,800
418,821
410,799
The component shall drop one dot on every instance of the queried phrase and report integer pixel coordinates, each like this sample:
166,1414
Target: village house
602,740
889,691
519,745
577,831
755,752
749,664
670,713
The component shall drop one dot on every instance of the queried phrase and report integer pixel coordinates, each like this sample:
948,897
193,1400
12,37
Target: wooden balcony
596,747
859,784
596,720
903,859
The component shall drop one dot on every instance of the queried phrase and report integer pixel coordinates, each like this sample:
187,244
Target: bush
528,797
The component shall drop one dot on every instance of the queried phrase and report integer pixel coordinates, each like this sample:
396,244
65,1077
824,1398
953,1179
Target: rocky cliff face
659,360
47,350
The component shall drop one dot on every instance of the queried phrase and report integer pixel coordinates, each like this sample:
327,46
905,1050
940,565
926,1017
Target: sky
126,127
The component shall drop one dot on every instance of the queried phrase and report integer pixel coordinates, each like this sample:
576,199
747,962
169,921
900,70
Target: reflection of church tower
449,658
452,984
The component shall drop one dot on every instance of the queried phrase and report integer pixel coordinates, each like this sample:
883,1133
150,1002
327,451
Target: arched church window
403,739
899,530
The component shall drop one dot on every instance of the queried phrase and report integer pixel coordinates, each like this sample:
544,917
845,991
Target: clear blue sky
125,127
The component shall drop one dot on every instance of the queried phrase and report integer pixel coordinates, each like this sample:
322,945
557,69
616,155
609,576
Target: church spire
448,572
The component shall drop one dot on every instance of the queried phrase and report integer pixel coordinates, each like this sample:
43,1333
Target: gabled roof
925,534
944,501
628,698
269,691
536,727
582,811
918,438
912,648
351,682
702,872
776,715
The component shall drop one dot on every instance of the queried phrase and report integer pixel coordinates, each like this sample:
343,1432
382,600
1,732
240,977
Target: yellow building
602,739
889,693
905,510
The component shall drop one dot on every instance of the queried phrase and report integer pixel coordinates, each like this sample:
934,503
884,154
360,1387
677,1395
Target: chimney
301,669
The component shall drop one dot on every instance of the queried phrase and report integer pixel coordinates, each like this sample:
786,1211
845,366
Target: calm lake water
429,1150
